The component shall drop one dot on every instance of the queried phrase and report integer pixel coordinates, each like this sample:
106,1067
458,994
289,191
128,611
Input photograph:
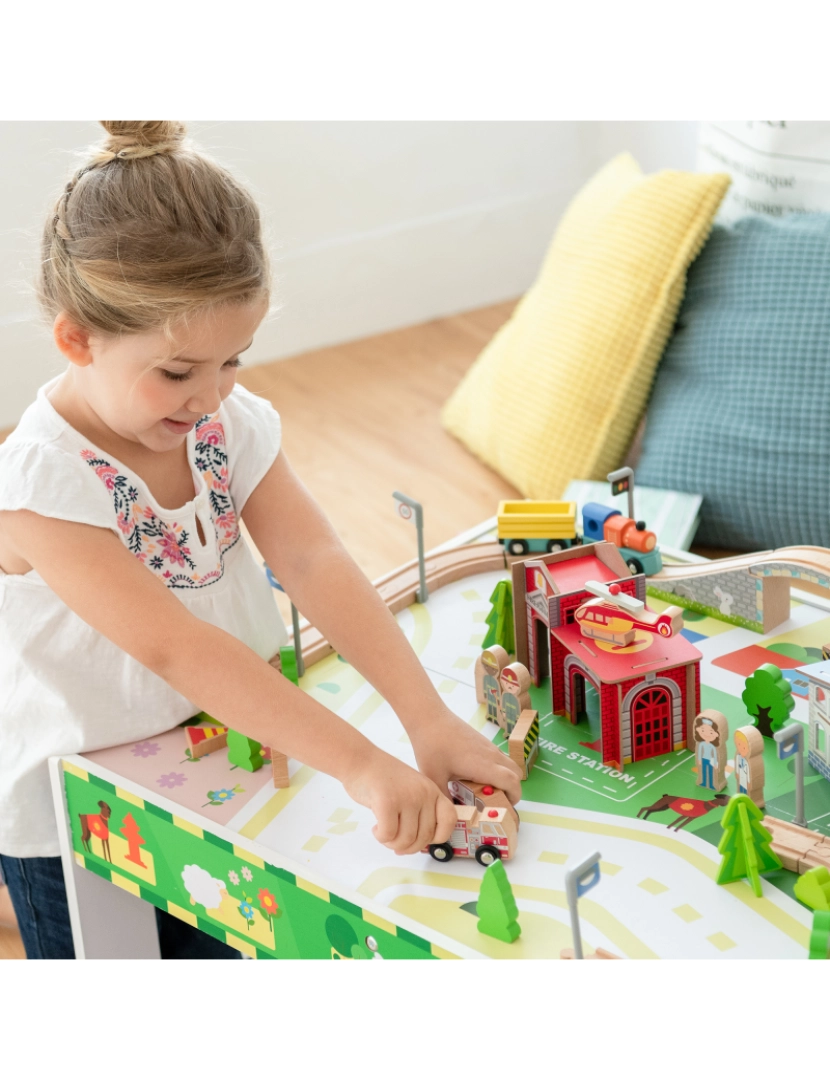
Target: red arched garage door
651,723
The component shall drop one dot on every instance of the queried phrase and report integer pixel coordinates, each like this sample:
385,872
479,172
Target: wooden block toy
745,845
523,741
820,936
483,796
813,888
488,687
515,695
496,909
711,733
279,769
749,763
204,740
243,752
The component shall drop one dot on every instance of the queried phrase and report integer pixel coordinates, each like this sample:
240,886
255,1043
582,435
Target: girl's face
707,733
151,390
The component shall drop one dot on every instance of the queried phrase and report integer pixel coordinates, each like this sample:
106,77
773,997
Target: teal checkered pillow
740,410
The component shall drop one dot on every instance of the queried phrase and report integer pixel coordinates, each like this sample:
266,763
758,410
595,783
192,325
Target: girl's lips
176,427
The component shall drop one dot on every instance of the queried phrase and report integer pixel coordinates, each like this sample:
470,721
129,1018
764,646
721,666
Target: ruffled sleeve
253,434
53,482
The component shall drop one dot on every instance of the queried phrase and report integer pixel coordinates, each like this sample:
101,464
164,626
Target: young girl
128,597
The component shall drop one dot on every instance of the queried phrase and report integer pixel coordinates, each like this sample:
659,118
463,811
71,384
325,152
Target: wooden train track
798,849
399,588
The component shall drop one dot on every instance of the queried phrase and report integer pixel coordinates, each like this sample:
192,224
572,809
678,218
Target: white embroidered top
65,688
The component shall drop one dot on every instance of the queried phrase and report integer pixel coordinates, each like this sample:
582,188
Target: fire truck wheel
441,852
487,856
635,566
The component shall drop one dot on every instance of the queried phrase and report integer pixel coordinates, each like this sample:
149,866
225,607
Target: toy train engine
637,544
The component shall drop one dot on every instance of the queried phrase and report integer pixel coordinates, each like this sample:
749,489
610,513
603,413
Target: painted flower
222,795
156,562
171,780
233,877
246,910
246,873
267,902
145,749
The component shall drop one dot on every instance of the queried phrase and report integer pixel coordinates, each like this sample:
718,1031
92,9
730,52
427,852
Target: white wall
373,225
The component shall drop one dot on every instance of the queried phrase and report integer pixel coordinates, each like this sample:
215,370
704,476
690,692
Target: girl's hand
448,749
411,812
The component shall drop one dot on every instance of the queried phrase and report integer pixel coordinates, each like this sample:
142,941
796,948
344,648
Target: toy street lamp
410,510
623,480
577,882
791,744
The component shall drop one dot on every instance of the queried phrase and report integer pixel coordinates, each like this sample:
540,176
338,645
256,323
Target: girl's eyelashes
182,376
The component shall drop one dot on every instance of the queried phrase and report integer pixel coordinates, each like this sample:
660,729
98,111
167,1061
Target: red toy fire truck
484,833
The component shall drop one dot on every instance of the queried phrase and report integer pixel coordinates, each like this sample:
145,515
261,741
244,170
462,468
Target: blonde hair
148,231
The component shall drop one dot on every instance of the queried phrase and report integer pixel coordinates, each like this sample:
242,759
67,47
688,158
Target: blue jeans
38,894
708,774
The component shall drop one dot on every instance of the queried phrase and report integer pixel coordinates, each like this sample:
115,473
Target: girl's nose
206,401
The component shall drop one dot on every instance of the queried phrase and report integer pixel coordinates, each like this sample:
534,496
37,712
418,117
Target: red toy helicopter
616,617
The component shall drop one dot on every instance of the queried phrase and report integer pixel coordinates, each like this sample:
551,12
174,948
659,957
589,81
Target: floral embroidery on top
160,545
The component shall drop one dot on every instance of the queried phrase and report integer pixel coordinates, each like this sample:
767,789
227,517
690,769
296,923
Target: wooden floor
362,420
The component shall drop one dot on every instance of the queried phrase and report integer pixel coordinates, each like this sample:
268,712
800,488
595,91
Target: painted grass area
568,773
703,609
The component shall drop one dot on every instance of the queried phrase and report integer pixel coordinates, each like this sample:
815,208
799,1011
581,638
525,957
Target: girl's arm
102,582
309,561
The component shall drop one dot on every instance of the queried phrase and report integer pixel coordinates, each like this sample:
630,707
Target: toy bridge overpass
752,591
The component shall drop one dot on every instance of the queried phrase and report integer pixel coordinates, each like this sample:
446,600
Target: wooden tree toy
749,763
515,695
496,908
711,732
820,937
500,619
488,689
288,664
244,752
813,888
745,845
768,699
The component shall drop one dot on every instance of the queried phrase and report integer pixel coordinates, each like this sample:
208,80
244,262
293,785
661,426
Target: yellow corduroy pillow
559,391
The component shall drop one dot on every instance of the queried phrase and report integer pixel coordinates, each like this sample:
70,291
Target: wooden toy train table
296,873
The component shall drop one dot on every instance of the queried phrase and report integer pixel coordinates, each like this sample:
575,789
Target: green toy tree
820,937
288,664
745,844
243,752
812,888
496,908
768,699
500,619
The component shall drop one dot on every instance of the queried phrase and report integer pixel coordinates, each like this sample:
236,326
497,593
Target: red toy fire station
648,689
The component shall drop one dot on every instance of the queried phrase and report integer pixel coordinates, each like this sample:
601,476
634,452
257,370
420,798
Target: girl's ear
72,340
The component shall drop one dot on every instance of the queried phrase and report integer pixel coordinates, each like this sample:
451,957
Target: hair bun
165,135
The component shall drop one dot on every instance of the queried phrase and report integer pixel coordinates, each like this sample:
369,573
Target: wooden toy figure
515,684
488,670
749,763
711,731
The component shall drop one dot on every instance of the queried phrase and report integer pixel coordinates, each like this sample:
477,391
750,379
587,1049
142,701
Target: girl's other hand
411,811
448,749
